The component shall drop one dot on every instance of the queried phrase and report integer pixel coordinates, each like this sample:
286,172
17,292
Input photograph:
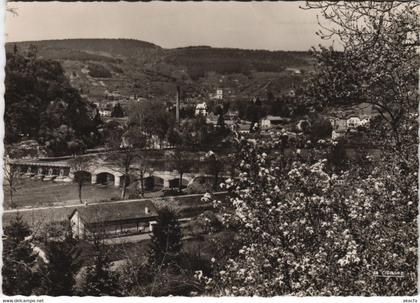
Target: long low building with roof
113,219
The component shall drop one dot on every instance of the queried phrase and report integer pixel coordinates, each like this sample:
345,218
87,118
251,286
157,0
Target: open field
36,193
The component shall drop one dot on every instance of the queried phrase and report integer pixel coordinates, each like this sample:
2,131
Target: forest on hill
134,67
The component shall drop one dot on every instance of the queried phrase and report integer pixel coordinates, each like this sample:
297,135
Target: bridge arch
153,183
105,178
106,175
175,182
166,179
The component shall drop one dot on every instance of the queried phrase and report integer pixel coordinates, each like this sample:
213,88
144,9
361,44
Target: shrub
321,128
98,71
200,185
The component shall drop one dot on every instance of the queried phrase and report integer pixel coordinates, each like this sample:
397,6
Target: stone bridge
98,173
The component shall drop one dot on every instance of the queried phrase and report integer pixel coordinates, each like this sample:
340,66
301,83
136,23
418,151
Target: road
22,210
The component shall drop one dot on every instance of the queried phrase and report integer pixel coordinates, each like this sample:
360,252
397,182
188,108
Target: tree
63,264
337,157
174,137
320,127
220,110
301,232
142,167
254,113
117,111
152,118
182,164
12,181
215,167
100,280
99,71
379,58
304,230
80,165
41,104
113,134
127,143
196,133
19,260
166,238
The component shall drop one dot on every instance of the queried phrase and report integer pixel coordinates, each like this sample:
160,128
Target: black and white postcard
210,149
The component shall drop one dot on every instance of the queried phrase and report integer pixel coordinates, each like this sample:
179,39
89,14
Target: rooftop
274,118
116,211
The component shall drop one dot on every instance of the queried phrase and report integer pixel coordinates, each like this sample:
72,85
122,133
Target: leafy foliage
302,233
80,166
63,264
126,143
12,182
19,260
152,118
320,127
98,71
100,280
182,164
378,63
41,105
215,166
200,60
166,239
117,111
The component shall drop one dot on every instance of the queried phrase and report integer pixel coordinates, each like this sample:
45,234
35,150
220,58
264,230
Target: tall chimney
178,103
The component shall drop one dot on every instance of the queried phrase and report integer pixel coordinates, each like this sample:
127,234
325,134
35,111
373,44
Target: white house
105,112
339,127
353,122
218,95
270,121
201,109
244,127
339,124
365,121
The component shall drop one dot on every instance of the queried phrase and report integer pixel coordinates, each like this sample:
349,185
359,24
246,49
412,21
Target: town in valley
133,169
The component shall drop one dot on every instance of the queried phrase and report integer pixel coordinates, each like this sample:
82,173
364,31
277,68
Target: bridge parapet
40,170
61,171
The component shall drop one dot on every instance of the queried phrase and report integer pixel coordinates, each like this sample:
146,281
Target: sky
250,25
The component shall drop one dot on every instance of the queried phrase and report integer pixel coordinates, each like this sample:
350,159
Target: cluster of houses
341,126
106,106
270,121
217,95
201,109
